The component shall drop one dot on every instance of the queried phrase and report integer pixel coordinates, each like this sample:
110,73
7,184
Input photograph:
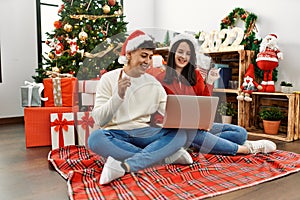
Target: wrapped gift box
61,92
62,129
37,124
85,126
87,86
31,94
87,99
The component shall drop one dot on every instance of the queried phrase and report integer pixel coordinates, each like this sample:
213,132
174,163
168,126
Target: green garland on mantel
250,41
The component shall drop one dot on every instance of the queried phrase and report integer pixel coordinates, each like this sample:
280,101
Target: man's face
139,61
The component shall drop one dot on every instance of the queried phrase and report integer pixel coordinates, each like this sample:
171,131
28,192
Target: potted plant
286,87
271,117
282,86
227,111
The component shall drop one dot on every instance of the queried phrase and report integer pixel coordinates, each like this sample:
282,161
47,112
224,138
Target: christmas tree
85,41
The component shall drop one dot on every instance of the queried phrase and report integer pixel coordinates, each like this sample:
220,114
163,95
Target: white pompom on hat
133,41
183,36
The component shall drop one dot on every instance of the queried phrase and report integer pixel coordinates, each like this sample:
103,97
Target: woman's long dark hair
188,75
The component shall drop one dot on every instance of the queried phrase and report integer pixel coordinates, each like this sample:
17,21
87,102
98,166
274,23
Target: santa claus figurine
249,85
267,60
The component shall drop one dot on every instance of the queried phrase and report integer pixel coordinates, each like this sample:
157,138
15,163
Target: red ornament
112,2
57,24
62,7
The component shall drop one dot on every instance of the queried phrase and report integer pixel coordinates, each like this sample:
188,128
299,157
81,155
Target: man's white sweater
144,97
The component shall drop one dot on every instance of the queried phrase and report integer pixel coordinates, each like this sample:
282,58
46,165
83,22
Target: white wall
19,52
18,33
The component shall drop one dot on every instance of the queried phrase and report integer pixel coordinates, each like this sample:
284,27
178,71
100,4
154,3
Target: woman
182,78
123,109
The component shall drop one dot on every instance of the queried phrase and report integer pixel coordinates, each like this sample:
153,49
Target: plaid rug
210,175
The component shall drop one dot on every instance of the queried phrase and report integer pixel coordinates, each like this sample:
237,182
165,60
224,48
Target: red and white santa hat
133,41
185,36
272,35
250,71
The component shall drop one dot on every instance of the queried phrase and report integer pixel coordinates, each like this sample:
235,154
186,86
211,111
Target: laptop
190,112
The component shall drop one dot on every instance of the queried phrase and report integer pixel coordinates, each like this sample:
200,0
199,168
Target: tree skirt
208,176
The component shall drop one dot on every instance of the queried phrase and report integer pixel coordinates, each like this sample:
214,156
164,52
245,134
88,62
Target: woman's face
182,55
139,61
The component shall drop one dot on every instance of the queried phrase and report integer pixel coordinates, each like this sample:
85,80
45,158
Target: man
125,100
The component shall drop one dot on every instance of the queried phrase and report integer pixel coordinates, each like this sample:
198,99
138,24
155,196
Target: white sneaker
112,170
260,146
180,157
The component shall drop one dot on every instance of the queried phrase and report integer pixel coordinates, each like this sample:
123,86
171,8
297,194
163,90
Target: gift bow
60,125
30,87
86,122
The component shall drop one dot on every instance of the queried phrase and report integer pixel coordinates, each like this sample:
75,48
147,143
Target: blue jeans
221,139
139,148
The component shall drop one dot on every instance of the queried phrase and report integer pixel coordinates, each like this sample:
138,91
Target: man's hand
123,84
213,75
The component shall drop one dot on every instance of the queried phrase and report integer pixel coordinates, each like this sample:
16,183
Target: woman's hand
123,84
213,75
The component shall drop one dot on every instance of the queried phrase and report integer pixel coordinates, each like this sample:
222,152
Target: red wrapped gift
85,125
61,92
37,124
62,129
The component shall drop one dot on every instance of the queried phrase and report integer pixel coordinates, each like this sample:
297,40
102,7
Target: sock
111,171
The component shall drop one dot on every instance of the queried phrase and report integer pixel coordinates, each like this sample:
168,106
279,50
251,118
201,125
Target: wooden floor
25,173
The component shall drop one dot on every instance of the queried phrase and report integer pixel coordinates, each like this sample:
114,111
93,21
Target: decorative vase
271,127
226,119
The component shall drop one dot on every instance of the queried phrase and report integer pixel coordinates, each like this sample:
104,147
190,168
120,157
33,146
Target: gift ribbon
86,122
30,88
57,94
60,125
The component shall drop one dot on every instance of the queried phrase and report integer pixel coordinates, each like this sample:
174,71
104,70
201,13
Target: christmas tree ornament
112,2
51,55
57,24
118,12
73,46
100,34
68,27
106,9
82,36
87,8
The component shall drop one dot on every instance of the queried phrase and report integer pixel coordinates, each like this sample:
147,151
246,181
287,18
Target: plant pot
287,89
226,119
271,127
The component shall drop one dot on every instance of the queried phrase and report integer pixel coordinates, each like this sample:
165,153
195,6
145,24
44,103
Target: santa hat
183,36
273,35
133,42
250,71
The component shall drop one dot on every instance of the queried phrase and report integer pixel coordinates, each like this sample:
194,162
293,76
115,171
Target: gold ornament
82,36
51,55
68,27
118,12
106,9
